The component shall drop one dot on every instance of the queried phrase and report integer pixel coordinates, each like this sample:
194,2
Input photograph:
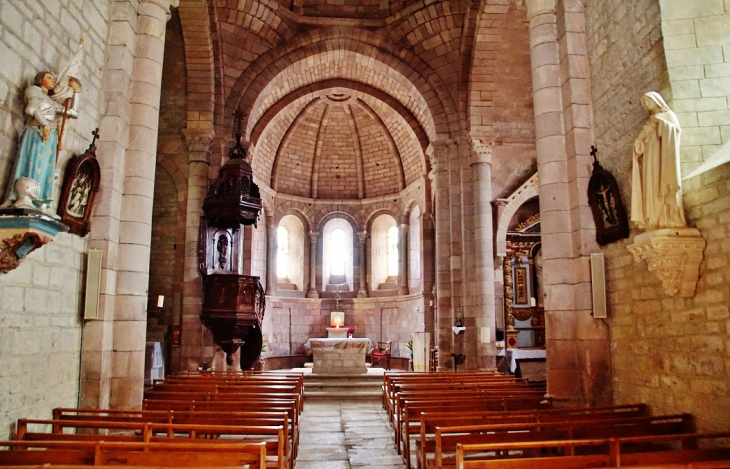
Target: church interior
478,180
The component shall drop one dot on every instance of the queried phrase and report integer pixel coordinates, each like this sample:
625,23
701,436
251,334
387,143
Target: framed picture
80,186
605,200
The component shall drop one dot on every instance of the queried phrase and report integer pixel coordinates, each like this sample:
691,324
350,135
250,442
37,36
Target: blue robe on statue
37,160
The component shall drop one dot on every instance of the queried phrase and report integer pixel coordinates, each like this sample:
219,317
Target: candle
533,302
161,301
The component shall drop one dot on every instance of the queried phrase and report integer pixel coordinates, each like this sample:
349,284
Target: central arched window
337,260
393,251
282,254
337,255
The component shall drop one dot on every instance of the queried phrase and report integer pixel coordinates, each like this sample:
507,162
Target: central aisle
344,435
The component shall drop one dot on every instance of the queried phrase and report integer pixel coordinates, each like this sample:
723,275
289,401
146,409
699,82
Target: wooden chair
381,353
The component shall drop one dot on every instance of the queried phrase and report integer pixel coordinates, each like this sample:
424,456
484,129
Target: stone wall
289,323
697,41
667,352
41,301
40,332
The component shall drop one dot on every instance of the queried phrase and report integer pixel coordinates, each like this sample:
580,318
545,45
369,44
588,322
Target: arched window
282,254
337,255
384,255
393,251
337,264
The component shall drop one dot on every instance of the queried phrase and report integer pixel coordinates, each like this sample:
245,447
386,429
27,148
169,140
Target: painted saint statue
48,104
656,188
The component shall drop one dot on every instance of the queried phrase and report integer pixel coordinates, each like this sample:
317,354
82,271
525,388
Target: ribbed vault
338,143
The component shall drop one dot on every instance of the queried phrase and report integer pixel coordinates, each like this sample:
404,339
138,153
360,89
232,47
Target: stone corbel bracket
22,231
673,255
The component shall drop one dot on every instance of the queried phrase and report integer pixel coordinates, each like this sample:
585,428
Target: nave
466,420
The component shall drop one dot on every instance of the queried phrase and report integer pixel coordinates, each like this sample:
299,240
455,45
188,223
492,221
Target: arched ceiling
338,143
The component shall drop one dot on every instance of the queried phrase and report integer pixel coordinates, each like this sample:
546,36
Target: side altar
339,356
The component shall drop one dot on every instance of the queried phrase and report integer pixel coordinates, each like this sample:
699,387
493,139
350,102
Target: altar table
339,356
513,354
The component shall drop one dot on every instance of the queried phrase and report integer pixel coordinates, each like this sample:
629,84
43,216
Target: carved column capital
363,235
483,152
199,143
313,236
539,7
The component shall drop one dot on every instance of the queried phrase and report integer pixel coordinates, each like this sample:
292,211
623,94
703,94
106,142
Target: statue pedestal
337,332
673,255
22,231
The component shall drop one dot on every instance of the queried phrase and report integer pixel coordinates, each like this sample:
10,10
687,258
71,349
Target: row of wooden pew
487,420
244,420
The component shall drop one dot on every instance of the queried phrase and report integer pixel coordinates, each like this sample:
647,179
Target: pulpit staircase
366,387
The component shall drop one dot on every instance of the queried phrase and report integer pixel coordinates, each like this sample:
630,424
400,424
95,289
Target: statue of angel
48,104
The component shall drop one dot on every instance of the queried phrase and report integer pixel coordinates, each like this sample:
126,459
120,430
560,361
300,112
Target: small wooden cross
92,147
594,153
238,116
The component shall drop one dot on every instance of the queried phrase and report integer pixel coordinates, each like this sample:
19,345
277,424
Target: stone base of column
403,290
362,294
312,293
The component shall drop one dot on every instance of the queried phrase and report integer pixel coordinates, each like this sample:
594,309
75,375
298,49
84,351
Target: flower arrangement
350,331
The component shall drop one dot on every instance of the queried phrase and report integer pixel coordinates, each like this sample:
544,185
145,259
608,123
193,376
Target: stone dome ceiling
341,144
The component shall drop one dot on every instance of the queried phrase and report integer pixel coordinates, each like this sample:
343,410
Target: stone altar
339,356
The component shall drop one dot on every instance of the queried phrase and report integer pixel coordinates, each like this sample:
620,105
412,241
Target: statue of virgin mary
656,188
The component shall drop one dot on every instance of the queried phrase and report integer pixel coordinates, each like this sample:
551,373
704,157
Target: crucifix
337,298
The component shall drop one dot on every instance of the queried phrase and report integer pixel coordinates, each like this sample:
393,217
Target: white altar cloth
339,356
514,354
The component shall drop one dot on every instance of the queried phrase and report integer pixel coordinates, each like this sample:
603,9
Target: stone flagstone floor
346,435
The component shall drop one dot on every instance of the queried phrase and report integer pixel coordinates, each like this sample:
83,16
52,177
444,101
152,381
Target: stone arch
381,208
490,32
527,191
326,213
436,118
199,54
286,209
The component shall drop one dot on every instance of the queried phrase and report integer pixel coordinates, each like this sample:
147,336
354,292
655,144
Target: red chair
381,353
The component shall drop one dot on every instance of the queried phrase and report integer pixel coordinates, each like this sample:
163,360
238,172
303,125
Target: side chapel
420,165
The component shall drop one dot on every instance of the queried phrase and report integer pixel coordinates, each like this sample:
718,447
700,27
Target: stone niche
673,255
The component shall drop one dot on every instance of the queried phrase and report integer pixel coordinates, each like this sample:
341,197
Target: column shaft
312,292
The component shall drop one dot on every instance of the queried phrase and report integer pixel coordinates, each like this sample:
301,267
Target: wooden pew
659,450
447,438
409,404
409,421
184,417
425,444
275,438
83,454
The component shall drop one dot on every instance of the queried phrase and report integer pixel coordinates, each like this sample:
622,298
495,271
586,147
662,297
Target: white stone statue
656,189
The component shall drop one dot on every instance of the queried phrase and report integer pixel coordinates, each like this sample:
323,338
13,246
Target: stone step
337,387
349,396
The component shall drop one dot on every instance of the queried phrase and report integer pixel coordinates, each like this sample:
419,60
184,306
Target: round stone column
271,259
403,259
199,144
439,177
363,238
484,305
135,221
312,292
